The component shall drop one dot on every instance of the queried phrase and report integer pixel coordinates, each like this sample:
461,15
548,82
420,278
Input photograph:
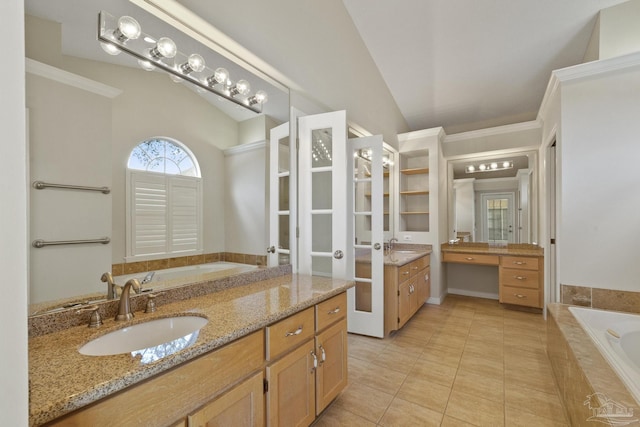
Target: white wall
600,182
246,181
619,29
68,144
14,399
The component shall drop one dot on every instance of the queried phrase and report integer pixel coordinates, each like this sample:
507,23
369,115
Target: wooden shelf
383,195
414,192
414,213
384,174
415,171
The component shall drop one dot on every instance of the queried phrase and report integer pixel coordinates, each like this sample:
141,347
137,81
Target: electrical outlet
407,237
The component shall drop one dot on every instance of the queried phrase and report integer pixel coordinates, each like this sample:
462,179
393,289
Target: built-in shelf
384,174
415,171
414,213
414,192
383,195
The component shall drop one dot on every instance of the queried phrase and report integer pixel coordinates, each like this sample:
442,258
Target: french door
282,197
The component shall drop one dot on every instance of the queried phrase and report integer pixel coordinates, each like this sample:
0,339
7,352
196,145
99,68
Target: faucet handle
95,320
151,302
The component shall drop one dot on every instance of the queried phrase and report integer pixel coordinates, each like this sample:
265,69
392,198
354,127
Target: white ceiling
472,64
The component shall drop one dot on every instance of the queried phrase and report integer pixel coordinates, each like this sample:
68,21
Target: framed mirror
88,110
493,198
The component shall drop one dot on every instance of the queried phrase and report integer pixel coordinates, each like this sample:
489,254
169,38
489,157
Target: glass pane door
322,195
281,202
498,217
366,209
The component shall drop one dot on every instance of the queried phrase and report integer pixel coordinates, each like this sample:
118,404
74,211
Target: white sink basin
153,339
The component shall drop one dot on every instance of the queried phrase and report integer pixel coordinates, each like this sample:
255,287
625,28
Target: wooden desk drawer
289,333
404,273
479,259
521,262
520,278
417,265
331,310
520,296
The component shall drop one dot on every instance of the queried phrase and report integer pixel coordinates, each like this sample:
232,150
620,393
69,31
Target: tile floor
467,362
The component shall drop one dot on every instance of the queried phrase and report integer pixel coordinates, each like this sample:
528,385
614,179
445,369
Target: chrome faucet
391,242
111,286
124,309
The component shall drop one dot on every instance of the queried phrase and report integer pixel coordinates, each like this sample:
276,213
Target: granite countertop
401,255
62,380
521,249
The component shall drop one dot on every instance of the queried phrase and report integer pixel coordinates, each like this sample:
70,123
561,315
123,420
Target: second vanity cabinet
406,288
521,281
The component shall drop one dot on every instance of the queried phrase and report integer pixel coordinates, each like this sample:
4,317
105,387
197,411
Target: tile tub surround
579,367
203,284
62,380
164,263
604,299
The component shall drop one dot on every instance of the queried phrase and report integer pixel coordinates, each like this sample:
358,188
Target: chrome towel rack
39,185
42,243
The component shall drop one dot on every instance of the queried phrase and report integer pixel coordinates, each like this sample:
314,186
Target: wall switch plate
407,237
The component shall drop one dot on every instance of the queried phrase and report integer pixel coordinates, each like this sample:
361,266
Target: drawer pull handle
414,268
520,296
469,258
323,355
405,273
296,332
520,277
334,311
315,361
520,262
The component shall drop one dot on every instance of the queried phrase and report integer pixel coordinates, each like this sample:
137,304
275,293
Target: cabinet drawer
331,310
519,278
520,296
479,259
521,262
289,333
404,272
417,265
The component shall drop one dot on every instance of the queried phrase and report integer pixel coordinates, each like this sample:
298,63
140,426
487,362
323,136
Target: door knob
271,250
338,254
377,246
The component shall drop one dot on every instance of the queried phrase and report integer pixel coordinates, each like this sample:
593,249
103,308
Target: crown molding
597,68
41,69
437,131
498,130
244,148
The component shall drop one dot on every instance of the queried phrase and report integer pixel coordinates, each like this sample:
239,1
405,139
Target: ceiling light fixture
124,35
489,167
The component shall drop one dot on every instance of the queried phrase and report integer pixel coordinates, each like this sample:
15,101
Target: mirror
87,110
493,198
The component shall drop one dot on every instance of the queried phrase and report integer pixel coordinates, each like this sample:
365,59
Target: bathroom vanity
520,269
273,351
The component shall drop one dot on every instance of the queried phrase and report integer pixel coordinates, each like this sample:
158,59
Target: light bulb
146,65
471,168
259,98
220,75
241,87
194,63
165,48
506,165
110,48
128,29
482,167
494,166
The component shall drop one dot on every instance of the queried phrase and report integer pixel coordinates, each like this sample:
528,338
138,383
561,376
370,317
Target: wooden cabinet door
331,376
406,301
242,406
424,286
290,397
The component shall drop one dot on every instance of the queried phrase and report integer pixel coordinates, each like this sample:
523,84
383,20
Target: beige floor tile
395,360
534,401
475,410
490,367
440,356
448,421
386,380
516,417
486,349
487,387
439,374
403,413
365,348
364,401
359,370
446,340
425,393
536,378
335,416
407,344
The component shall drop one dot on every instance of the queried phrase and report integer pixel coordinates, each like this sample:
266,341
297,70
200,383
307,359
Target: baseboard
468,293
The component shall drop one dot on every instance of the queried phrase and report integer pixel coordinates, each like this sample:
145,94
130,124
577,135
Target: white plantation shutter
184,213
165,214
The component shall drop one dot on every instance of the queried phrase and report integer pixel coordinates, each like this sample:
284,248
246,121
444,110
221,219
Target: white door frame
484,197
275,174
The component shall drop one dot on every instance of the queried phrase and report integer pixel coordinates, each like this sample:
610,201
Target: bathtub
617,336
184,275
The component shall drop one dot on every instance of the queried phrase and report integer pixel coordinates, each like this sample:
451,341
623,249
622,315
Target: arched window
164,201
164,155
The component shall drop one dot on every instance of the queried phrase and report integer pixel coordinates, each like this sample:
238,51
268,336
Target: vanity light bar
151,53
489,167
